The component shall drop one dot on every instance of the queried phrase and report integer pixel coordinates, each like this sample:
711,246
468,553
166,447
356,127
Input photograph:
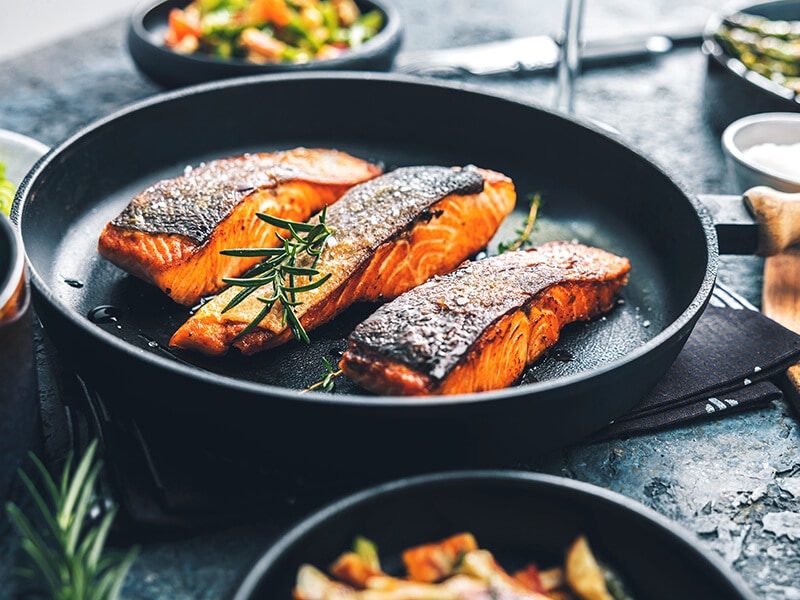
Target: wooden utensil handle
778,216
793,379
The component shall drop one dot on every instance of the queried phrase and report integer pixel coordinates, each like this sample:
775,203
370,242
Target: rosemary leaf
285,223
327,382
252,325
254,282
52,524
252,252
46,477
68,556
309,286
281,269
523,238
299,271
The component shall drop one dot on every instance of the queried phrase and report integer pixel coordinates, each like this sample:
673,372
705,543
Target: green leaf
254,282
252,252
44,509
281,270
300,271
74,489
252,325
50,484
70,562
284,223
309,286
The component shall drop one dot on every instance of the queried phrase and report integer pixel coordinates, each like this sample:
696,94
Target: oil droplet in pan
76,283
563,355
105,313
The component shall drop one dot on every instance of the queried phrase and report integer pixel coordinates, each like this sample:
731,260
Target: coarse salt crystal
783,159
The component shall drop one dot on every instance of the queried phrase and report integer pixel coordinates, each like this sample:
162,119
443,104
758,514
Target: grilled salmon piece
171,233
477,328
390,234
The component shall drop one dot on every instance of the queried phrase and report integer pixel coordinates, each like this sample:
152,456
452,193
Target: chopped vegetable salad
271,31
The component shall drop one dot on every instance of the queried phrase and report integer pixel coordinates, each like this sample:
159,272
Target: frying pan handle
778,216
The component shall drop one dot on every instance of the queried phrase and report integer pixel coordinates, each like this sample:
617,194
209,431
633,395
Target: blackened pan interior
520,517
595,190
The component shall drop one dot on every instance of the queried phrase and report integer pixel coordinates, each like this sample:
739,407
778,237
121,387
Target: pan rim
251,388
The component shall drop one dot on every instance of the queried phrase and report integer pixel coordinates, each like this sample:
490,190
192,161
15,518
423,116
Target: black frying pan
596,190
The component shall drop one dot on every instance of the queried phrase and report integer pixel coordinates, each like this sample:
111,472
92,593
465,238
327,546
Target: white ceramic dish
777,128
19,153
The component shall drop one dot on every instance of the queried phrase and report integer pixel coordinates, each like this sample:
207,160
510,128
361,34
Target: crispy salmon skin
477,328
171,233
390,234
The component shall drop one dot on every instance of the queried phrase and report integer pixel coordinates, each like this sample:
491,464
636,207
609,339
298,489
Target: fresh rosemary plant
67,553
280,268
523,238
327,383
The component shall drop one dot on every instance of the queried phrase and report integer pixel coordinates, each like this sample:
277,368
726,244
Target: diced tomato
182,24
274,11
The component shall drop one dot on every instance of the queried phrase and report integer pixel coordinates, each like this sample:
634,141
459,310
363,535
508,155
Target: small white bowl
776,128
19,153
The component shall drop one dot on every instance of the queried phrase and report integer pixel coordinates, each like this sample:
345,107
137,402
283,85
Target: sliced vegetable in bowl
18,153
518,516
753,58
7,191
184,42
271,31
456,568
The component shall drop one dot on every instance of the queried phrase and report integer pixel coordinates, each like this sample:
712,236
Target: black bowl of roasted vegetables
488,534
183,42
753,62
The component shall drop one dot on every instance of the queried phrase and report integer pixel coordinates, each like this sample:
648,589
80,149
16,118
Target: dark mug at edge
18,384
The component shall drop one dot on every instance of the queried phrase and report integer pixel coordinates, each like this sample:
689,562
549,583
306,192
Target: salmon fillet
171,233
477,328
390,234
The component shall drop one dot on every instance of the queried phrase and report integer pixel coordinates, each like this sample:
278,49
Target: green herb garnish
280,270
523,238
327,383
68,554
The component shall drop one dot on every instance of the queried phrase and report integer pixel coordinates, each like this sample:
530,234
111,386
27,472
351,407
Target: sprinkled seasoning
431,327
193,204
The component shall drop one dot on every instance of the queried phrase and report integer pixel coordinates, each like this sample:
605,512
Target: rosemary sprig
68,554
523,238
327,383
280,270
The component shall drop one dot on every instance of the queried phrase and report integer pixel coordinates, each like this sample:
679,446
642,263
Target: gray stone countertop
734,481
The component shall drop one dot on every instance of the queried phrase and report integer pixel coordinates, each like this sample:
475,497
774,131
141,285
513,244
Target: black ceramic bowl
148,24
519,516
732,90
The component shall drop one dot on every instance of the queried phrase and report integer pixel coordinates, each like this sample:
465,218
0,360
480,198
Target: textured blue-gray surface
734,481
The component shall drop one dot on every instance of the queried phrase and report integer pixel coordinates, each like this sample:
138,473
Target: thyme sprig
280,270
327,383
67,552
523,238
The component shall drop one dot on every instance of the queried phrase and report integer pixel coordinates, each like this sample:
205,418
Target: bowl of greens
184,42
753,58
18,153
